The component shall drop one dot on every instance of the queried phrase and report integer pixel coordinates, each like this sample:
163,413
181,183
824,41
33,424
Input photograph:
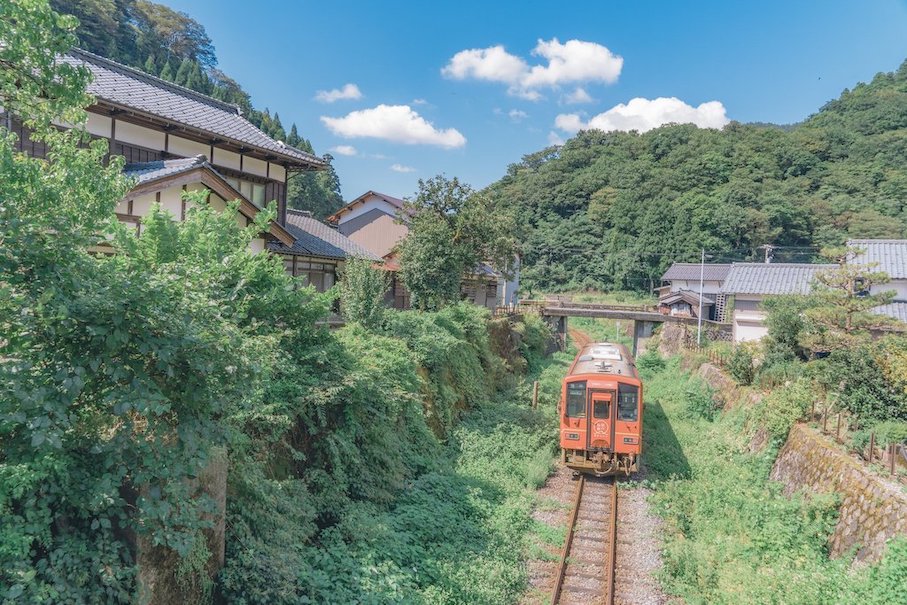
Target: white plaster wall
142,204
172,201
127,132
278,172
749,325
218,203
225,158
185,147
98,125
898,285
257,245
255,166
370,203
708,287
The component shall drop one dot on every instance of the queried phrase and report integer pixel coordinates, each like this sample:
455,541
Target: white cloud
645,114
574,61
349,91
555,139
395,123
420,102
344,150
402,168
493,64
517,115
577,96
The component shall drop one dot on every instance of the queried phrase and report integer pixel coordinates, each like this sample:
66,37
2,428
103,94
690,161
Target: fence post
825,421
892,450
535,395
872,445
838,429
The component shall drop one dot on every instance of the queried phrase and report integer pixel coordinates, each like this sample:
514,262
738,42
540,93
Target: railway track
586,573
580,338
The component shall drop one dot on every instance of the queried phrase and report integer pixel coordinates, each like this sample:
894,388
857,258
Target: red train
601,411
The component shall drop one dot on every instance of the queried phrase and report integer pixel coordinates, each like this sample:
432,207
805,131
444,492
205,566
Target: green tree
362,289
182,73
166,72
841,317
150,67
452,230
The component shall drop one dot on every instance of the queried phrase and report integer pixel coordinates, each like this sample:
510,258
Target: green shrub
780,409
699,400
741,365
778,373
362,288
650,362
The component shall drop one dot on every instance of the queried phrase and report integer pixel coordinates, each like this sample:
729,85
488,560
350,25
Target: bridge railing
569,304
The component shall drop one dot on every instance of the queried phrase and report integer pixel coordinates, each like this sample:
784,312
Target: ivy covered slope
612,210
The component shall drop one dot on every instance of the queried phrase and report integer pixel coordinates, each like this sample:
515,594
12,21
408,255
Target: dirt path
638,546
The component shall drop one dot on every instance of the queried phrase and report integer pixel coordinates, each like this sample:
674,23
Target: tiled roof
314,238
690,272
687,296
150,171
771,278
393,201
127,87
889,255
895,310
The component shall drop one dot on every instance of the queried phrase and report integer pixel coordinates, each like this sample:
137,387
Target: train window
576,399
601,409
627,402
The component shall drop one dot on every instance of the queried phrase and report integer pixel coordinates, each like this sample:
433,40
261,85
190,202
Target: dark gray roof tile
690,272
771,278
889,255
128,87
314,238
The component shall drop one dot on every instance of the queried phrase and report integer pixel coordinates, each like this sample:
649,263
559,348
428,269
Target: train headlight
631,440
571,436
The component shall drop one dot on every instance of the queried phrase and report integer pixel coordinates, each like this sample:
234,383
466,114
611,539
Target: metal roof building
771,278
888,255
691,272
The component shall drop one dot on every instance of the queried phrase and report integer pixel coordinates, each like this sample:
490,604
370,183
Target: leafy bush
362,288
699,401
860,384
650,362
741,365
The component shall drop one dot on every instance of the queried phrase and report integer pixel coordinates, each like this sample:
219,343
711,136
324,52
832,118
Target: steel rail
571,525
611,569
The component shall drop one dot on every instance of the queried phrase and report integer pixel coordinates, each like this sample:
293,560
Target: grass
731,536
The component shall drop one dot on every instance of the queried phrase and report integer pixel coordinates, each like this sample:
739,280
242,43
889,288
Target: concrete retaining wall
872,511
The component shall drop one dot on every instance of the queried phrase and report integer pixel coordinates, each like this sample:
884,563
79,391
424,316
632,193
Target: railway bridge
644,317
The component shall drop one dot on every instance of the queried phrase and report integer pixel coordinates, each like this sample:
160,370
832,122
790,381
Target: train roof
605,358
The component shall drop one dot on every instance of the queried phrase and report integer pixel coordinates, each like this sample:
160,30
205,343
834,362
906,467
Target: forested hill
613,210
174,46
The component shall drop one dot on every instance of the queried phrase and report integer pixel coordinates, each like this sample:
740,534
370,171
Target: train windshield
576,399
627,402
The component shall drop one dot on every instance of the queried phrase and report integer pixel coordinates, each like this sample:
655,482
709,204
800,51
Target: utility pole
699,315
769,250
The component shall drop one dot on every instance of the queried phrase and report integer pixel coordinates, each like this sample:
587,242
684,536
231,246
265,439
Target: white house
748,284
890,256
681,295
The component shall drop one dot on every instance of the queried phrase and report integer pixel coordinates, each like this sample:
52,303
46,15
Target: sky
398,91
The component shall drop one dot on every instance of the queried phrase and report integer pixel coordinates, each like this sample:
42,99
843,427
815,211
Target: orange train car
601,411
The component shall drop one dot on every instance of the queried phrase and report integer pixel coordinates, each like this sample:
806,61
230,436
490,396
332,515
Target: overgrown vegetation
612,210
731,535
122,376
453,232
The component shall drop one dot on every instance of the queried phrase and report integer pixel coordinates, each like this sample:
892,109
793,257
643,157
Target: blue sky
760,61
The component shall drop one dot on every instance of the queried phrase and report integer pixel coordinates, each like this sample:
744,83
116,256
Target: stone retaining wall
872,511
